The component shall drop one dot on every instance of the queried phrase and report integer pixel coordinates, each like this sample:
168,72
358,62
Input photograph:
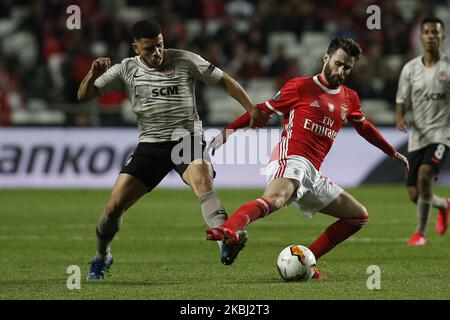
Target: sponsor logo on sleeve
210,69
277,96
344,111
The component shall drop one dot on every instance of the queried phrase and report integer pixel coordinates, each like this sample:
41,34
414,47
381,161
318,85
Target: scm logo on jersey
165,91
435,96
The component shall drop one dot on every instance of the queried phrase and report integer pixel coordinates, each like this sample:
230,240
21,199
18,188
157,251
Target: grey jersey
163,98
428,89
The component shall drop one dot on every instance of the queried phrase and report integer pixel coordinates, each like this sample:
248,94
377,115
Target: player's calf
106,230
212,209
336,233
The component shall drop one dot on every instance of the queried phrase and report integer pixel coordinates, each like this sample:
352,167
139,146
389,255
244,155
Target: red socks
336,233
247,213
331,237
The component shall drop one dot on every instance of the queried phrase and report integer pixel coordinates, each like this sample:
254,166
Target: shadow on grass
177,282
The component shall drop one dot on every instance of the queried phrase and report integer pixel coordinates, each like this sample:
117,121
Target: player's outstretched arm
404,161
401,124
241,122
87,90
217,142
372,135
234,89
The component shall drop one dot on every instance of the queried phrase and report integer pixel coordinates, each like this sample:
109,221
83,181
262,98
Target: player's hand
398,156
99,66
218,141
258,118
402,124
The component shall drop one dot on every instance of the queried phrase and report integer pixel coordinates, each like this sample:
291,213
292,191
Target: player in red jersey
314,110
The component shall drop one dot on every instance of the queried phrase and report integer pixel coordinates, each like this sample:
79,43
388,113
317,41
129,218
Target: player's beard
334,81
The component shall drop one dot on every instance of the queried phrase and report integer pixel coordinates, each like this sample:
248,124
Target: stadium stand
261,43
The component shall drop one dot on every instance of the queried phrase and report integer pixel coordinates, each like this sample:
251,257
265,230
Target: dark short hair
432,19
347,44
145,29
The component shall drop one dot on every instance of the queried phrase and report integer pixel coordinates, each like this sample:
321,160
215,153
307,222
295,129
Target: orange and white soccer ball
296,263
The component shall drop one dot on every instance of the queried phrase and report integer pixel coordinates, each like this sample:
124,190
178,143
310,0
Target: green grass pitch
161,251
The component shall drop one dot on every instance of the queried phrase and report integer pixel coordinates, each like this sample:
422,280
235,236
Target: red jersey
312,117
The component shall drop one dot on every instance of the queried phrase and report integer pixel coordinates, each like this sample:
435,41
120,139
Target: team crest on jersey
169,71
277,96
344,111
442,76
331,107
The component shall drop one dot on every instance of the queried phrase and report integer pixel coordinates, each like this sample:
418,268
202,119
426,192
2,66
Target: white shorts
314,191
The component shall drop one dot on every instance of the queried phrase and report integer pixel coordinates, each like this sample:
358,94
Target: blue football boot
98,268
230,251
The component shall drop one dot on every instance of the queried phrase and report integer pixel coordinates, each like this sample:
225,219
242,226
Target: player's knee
364,219
425,177
413,193
360,214
201,185
424,186
276,201
115,209
363,214
361,218
426,170
413,196
423,180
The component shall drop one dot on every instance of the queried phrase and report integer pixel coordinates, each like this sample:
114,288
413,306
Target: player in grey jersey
425,83
160,85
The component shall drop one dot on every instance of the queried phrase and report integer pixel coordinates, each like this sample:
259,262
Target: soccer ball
296,263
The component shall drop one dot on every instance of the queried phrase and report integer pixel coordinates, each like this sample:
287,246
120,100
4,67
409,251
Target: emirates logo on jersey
169,71
442,76
331,107
344,111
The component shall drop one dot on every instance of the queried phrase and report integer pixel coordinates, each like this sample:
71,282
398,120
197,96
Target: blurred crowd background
260,43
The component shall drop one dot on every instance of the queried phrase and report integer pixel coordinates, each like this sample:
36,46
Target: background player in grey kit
424,82
160,85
